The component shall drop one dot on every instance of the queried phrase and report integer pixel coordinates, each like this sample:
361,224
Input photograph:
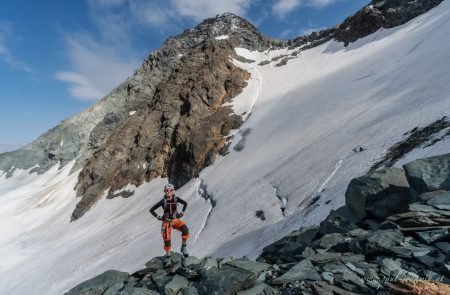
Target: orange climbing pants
166,230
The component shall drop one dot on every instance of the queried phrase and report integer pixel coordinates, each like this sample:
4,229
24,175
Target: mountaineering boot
167,260
184,251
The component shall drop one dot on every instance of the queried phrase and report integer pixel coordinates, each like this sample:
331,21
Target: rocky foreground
391,237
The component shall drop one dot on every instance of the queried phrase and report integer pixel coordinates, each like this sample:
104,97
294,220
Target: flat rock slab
428,209
253,266
410,251
383,240
330,240
441,201
393,270
433,235
426,196
304,270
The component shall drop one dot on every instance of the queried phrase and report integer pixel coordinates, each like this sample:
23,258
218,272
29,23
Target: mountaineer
171,218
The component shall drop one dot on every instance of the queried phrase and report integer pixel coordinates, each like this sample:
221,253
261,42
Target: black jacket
169,207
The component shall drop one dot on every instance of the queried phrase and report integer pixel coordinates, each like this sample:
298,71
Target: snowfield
306,117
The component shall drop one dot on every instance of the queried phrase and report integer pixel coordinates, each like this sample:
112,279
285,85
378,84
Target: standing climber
170,218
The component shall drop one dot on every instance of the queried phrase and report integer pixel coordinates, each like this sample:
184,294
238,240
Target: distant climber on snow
358,149
171,218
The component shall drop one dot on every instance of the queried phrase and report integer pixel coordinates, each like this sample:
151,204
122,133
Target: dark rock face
381,14
430,174
379,194
178,133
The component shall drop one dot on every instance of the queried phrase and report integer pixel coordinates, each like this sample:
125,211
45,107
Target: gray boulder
379,194
109,282
225,280
155,263
175,285
160,279
304,270
208,263
429,174
341,220
190,260
331,240
187,273
287,248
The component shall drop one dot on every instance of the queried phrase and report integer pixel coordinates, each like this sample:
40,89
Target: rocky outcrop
381,14
378,194
415,138
179,132
404,250
179,124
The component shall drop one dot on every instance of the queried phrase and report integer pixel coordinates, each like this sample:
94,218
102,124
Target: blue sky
57,57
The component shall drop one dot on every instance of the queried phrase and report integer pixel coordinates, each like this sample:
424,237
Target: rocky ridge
391,237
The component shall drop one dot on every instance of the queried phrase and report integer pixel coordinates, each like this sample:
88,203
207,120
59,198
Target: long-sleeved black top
171,208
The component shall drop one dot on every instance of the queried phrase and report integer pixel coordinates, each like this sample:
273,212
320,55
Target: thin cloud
102,59
309,31
200,9
95,68
5,54
286,33
106,3
281,8
321,3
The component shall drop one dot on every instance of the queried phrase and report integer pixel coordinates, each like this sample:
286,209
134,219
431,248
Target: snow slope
297,144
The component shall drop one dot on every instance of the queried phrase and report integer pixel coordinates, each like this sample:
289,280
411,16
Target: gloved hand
160,218
179,215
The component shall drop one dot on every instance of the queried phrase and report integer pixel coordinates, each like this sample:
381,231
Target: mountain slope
306,116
